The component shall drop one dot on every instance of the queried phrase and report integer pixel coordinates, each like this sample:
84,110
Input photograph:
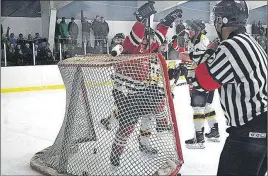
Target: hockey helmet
194,28
118,38
230,13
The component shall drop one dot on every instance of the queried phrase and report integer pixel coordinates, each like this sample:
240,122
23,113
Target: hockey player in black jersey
200,101
238,69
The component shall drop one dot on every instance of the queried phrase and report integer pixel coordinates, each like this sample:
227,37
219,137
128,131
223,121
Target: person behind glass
73,30
19,55
86,26
64,30
104,33
12,39
27,55
11,59
96,26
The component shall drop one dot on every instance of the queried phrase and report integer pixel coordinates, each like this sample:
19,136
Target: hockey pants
245,150
201,104
130,108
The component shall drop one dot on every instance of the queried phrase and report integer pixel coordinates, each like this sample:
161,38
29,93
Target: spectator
253,28
19,55
57,33
11,54
104,32
21,40
37,36
30,40
2,30
64,29
27,55
179,28
12,39
73,30
96,26
86,26
48,59
37,53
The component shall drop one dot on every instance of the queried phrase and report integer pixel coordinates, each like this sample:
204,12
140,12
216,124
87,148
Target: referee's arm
215,72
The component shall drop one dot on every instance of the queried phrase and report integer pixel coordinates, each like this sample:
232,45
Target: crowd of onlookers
67,35
21,50
260,34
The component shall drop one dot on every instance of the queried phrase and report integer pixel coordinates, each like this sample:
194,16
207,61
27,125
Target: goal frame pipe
173,115
5,53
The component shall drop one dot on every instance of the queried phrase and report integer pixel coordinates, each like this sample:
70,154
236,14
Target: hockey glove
170,18
183,71
145,11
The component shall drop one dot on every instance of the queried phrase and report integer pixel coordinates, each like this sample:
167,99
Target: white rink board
28,76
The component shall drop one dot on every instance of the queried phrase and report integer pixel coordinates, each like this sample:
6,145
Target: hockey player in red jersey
131,90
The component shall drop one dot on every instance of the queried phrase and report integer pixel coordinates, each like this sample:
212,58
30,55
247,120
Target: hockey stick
149,31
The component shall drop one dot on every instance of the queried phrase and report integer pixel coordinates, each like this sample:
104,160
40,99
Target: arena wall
32,25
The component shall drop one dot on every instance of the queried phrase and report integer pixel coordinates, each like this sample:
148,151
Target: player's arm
199,50
135,37
163,26
214,72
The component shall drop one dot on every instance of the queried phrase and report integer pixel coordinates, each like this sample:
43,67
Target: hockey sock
161,119
120,142
145,136
199,118
211,118
210,115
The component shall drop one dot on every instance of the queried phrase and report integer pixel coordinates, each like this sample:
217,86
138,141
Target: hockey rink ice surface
31,121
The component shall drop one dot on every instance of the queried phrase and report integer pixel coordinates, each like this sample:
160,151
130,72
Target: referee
238,69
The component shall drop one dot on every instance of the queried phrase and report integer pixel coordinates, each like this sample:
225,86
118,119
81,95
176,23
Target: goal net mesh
119,119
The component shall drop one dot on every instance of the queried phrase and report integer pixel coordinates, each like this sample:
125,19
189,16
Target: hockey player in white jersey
200,101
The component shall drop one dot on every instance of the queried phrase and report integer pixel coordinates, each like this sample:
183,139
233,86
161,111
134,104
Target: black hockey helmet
194,28
230,13
120,35
196,25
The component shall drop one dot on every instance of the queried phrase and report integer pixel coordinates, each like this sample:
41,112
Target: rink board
37,78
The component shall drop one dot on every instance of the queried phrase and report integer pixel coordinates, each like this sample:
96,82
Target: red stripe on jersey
162,29
175,45
204,78
139,29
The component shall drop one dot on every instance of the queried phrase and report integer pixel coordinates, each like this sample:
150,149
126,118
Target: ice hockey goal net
132,89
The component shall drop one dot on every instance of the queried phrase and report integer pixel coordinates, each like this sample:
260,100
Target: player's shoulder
239,37
204,39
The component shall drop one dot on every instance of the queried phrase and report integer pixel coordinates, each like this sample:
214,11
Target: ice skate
214,134
146,149
106,124
197,142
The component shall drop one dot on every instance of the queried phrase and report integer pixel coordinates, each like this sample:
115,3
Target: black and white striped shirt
239,71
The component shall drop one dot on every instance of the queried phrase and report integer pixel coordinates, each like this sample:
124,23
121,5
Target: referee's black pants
244,152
